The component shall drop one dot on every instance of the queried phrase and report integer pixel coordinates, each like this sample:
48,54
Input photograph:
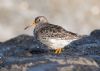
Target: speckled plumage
53,36
53,31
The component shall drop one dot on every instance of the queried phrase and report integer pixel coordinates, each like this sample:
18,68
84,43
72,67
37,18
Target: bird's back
53,31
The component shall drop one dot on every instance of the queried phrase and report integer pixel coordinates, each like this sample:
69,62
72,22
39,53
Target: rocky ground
24,53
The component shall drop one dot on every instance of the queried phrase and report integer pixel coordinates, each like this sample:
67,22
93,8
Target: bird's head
38,20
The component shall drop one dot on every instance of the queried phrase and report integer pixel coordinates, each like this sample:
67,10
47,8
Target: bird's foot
58,51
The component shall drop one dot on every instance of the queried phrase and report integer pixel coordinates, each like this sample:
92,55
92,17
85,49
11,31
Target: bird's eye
38,20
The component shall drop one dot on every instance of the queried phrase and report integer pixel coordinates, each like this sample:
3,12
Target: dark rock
96,34
0,43
23,44
24,41
51,63
87,45
25,53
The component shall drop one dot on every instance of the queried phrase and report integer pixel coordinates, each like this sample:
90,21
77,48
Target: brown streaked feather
54,31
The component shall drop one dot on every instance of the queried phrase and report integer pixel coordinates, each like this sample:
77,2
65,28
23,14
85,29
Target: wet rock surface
25,53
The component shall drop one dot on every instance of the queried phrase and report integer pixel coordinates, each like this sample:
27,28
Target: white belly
58,43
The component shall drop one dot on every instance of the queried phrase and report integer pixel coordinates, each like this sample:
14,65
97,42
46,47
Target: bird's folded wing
55,31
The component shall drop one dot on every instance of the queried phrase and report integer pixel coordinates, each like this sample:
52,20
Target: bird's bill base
33,24
58,51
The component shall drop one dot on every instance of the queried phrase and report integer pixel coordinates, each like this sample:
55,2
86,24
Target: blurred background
78,16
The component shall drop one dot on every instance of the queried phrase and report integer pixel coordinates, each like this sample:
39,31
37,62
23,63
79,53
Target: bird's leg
58,51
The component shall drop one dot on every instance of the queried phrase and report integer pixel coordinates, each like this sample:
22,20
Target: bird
53,36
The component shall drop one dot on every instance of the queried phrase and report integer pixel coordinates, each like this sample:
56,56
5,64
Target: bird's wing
55,31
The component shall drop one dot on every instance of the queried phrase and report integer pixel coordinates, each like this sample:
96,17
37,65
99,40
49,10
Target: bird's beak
33,24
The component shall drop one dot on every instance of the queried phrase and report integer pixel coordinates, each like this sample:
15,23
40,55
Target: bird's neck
39,26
